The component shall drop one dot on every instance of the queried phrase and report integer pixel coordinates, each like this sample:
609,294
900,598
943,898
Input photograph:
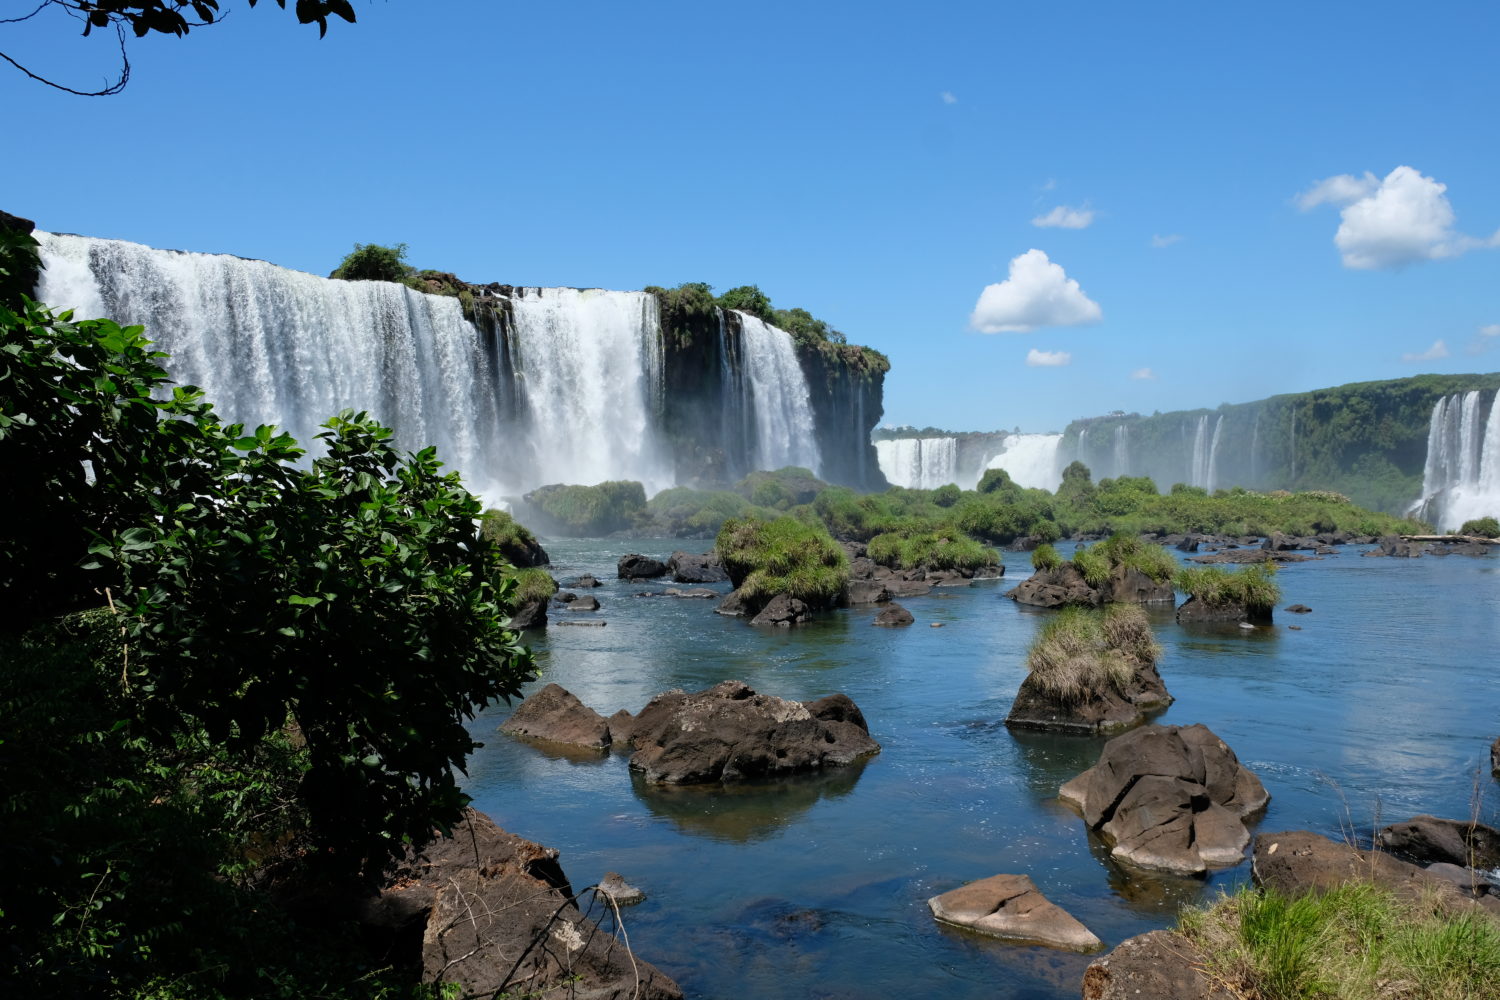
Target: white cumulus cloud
1047,359
948,97
1389,223
1488,337
1161,242
1437,351
1064,217
1143,374
1037,293
1493,330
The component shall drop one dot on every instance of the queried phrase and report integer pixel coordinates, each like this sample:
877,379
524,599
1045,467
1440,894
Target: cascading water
785,434
1461,478
1030,460
1198,456
1212,479
920,463
1121,452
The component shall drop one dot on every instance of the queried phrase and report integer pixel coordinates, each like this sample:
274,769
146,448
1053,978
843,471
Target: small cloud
1436,352
948,97
1390,223
1050,184
1143,375
1047,359
1063,217
1488,336
1162,242
1493,330
1037,293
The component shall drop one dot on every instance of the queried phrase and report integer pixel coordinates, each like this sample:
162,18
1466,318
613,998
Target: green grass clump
1085,652
1483,527
1093,564
931,549
1253,586
533,585
588,511
1128,550
783,556
1355,942
518,545
1044,558
683,512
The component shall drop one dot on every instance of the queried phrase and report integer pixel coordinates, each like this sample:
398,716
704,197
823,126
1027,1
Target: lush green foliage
1121,549
683,512
587,511
1354,942
532,585
516,545
1482,527
1084,652
1044,558
781,489
783,556
935,549
1252,586
373,262
1093,564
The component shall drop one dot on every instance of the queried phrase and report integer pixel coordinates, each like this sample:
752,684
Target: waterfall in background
1212,479
1121,453
1198,456
778,389
1461,478
920,463
1031,460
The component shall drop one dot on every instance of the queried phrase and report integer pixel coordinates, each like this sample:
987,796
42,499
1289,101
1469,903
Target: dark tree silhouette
167,17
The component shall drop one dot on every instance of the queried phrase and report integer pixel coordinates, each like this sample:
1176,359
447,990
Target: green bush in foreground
1252,586
784,556
1355,942
1482,527
1083,651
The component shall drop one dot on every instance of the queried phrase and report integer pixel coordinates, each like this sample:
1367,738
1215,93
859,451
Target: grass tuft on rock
783,556
1251,586
533,585
1356,942
1045,558
931,549
1085,652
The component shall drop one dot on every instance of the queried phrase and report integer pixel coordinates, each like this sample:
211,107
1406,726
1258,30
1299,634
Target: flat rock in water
1194,611
702,593
579,624
1010,907
623,893
583,582
1056,588
1104,711
554,714
587,602
894,616
1161,965
688,568
1298,609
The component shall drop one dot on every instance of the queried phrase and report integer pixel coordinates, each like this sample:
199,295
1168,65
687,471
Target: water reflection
1156,894
744,811
1049,760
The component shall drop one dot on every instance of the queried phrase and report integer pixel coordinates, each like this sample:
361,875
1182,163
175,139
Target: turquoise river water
1381,706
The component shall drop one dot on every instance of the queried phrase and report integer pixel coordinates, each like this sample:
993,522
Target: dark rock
532,614
696,592
584,624
1169,798
1299,861
557,716
1427,839
639,567
989,573
564,597
1469,882
864,568
1161,965
730,733
1107,711
1250,556
1189,544
492,912
621,726
868,592
688,568
783,610
614,886
734,605
907,588
1010,907
894,615
1194,611
1495,758
583,582
1298,609
586,603
1130,586
1054,588
1392,545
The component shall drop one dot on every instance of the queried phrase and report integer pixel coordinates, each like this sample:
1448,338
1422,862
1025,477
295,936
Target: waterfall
1212,479
1031,460
1121,454
785,434
920,463
1461,476
1198,456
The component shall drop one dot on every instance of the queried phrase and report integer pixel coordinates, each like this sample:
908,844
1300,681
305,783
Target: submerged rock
554,714
894,616
621,892
1298,609
1161,965
1011,907
494,914
702,593
1170,798
730,733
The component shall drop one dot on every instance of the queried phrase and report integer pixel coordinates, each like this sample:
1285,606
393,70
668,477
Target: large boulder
894,616
495,914
555,715
783,610
688,568
1169,798
730,733
867,592
1128,585
1106,709
1054,588
1427,839
1011,907
1298,861
531,614
639,567
1161,965
1195,611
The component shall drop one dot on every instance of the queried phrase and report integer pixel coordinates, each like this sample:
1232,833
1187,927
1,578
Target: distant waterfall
1031,460
920,463
565,386
783,413
1198,457
1211,480
1461,479
1121,453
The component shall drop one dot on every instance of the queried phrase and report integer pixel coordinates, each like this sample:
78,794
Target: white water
1031,460
1121,452
1212,479
778,390
920,463
1461,478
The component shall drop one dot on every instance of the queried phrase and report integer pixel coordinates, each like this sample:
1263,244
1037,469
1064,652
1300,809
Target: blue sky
879,165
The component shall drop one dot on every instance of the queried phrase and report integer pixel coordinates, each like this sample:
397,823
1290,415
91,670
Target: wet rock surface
894,616
555,715
638,567
685,567
783,610
1011,907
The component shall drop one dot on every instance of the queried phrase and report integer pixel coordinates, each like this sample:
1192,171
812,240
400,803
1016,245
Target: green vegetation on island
1251,587
1084,652
1482,527
765,558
